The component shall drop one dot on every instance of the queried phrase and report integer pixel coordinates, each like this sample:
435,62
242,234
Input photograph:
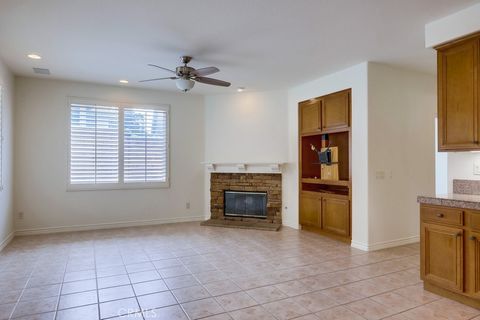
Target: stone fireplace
241,195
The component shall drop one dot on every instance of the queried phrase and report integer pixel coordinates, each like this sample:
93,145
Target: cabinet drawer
472,220
442,215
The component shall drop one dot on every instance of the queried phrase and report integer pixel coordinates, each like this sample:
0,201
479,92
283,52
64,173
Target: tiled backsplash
466,186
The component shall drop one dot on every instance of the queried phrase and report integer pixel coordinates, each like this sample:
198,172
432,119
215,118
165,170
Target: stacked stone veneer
260,182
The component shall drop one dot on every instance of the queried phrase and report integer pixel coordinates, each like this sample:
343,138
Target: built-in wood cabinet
336,216
310,209
310,116
443,258
458,95
335,110
324,203
450,252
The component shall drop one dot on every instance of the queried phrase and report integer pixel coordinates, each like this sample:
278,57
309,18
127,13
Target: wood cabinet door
458,113
336,216
442,256
310,116
472,263
310,209
336,110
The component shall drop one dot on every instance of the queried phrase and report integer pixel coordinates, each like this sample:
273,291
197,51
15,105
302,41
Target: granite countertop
455,200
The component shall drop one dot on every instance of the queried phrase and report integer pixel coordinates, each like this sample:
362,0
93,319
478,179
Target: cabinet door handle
458,234
440,215
472,238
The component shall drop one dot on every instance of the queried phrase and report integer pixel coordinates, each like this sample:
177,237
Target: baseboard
384,244
7,240
98,226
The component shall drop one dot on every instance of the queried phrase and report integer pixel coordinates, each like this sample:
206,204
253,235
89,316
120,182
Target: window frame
120,185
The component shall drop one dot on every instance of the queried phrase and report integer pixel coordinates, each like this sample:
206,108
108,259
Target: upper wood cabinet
442,256
335,110
326,113
310,116
458,100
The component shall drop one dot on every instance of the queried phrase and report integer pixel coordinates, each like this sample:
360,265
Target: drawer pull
473,238
440,215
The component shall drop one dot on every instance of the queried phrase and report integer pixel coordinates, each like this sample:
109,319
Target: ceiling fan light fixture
184,84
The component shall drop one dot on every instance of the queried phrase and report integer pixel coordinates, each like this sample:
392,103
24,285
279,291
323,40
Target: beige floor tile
167,313
370,309
293,288
6,310
81,313
266,294
338,313
221,316
221,287
115,293
118,308
442,309
315,301
342,294
417,294
257,313
78,299
190,294
156,300
235,301
202,308
285,309
181,282
41,292
395,302
144,276
35,306
149,287
174,272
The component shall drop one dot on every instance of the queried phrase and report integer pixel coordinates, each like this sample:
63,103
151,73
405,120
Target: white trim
7,240
113,225
247,167
385,244
121,185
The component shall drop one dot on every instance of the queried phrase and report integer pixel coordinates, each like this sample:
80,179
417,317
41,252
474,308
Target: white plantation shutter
115,147
145,145
94,145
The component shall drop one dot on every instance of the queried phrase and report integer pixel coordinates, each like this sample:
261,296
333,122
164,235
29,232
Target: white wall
249,127
41,161
355,78
401,145
453,26
460,166
6,194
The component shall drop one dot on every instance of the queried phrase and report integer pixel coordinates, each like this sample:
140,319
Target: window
117,147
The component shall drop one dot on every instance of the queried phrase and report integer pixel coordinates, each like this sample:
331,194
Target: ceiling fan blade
171,78
211,81
154,65
205,71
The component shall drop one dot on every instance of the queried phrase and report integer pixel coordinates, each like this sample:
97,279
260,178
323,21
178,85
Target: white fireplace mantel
245,167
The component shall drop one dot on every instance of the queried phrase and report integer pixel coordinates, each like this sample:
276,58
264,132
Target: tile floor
185,271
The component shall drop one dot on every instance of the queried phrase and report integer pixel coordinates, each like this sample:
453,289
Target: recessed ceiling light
34,56
241,89
123,81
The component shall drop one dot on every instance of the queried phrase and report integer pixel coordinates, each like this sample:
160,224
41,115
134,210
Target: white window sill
126,186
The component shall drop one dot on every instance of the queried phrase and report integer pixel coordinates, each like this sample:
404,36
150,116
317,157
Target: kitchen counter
455,200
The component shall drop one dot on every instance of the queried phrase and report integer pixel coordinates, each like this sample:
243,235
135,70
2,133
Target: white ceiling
258,44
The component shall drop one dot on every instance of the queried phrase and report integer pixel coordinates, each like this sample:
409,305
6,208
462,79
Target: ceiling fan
185,76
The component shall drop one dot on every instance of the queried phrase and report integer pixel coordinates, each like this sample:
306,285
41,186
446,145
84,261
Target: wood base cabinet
450,252
325,213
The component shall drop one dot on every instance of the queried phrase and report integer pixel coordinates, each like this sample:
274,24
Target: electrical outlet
187,205
20,215
380,175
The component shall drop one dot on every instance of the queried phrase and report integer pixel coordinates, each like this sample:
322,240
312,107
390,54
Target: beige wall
41,161
6,194
401,147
